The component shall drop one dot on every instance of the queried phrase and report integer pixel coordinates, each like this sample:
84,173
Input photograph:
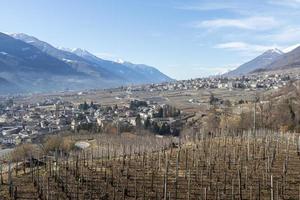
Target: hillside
221,166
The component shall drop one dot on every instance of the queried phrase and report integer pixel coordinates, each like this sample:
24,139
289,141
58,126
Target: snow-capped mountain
76,62
259,62
20,56
138,72
37,66
285,61
271,60
81,52
31,69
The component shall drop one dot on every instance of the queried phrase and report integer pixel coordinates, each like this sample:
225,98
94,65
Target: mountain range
28,64
271,60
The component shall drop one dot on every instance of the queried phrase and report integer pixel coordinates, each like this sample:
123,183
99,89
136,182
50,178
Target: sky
182,38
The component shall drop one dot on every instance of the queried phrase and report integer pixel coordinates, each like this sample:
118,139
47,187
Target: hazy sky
182,38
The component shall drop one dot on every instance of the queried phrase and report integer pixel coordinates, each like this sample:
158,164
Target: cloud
287,3
209,6
286,35
232,45
250,23
246,47
214,70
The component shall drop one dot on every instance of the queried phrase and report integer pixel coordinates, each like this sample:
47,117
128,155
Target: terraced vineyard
248,165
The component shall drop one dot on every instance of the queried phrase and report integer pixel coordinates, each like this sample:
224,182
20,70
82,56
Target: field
180,98
223,165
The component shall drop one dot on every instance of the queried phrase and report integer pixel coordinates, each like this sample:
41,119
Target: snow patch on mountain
291,48
64,48
81,52
275,50
68,60
119,60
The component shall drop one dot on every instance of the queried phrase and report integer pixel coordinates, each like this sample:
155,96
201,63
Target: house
102,122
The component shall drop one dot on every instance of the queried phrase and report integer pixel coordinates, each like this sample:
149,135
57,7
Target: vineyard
224,165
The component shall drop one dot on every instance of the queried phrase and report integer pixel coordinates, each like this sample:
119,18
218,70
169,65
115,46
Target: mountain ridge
258,62
286,61
28,61
95,64
273,60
